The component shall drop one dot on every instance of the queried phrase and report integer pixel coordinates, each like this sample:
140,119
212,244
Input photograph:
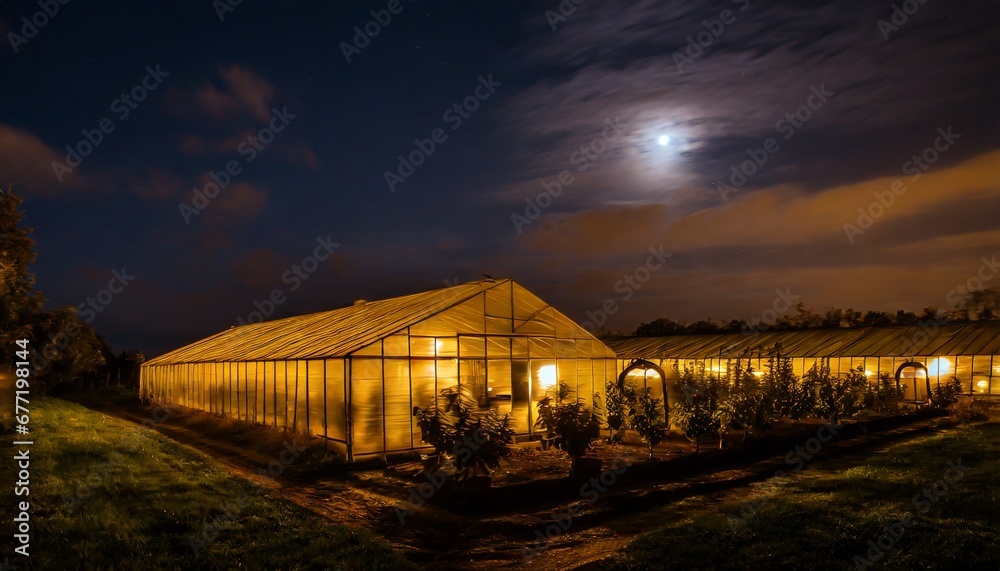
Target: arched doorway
918,382
642,373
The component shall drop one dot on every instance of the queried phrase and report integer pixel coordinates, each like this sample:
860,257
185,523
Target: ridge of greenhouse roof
331,333
967,338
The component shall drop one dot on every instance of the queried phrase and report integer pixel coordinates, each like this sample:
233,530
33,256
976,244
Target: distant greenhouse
354,375
918,357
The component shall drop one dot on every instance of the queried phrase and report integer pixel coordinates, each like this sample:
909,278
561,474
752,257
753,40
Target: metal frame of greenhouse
354,375
931,353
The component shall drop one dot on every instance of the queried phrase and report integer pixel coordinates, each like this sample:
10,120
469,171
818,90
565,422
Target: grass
108,494
825,516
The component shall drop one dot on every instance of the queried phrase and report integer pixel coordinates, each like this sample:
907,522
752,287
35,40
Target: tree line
976,305
66,352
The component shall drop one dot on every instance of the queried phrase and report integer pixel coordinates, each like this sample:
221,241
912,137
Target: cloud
195,145
26,161
238,203
779,216
237,91
259,268
156,184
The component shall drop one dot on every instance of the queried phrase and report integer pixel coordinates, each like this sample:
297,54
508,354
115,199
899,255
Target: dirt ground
580,532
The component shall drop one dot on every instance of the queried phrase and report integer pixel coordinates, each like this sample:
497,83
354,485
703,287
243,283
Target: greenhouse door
912,377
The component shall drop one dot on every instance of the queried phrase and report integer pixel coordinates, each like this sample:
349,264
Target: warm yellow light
437,345
982,385
758,374
547,376
939,366
868,373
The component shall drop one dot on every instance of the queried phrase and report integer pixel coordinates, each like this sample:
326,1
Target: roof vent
358,302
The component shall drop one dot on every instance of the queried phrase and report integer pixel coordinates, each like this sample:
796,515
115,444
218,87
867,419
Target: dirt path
436,537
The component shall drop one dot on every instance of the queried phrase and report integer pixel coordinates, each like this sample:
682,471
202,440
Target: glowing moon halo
663,141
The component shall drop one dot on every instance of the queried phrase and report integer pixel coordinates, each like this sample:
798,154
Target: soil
447,532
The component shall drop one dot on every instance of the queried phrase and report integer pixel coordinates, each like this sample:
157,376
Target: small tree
619,407
884,395
573,425
838,396
747,404
793,398
694,414
475,441
647,419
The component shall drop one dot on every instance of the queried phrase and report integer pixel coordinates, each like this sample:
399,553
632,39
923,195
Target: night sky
641,122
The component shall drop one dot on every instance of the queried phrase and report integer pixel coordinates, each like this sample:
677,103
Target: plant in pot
474,441
574,427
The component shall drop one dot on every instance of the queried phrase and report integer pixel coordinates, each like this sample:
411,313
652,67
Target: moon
663,141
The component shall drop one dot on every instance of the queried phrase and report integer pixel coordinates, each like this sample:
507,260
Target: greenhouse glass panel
422,346
300,412
498,386
336,408
472,347
498,348
280,393
366,405
398,404
422,375
317,397
520,396
396,346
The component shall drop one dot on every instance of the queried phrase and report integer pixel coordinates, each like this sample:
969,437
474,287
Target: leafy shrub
884,395
793,398
946,394
967,411
837,397
746,405
475,441
573,425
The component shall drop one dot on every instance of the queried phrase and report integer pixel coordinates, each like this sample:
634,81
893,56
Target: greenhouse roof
340,332
975,338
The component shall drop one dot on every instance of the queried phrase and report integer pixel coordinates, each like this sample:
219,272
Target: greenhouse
919,357
354,375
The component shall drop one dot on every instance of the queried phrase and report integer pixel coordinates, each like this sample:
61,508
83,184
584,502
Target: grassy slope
823,518
143,498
